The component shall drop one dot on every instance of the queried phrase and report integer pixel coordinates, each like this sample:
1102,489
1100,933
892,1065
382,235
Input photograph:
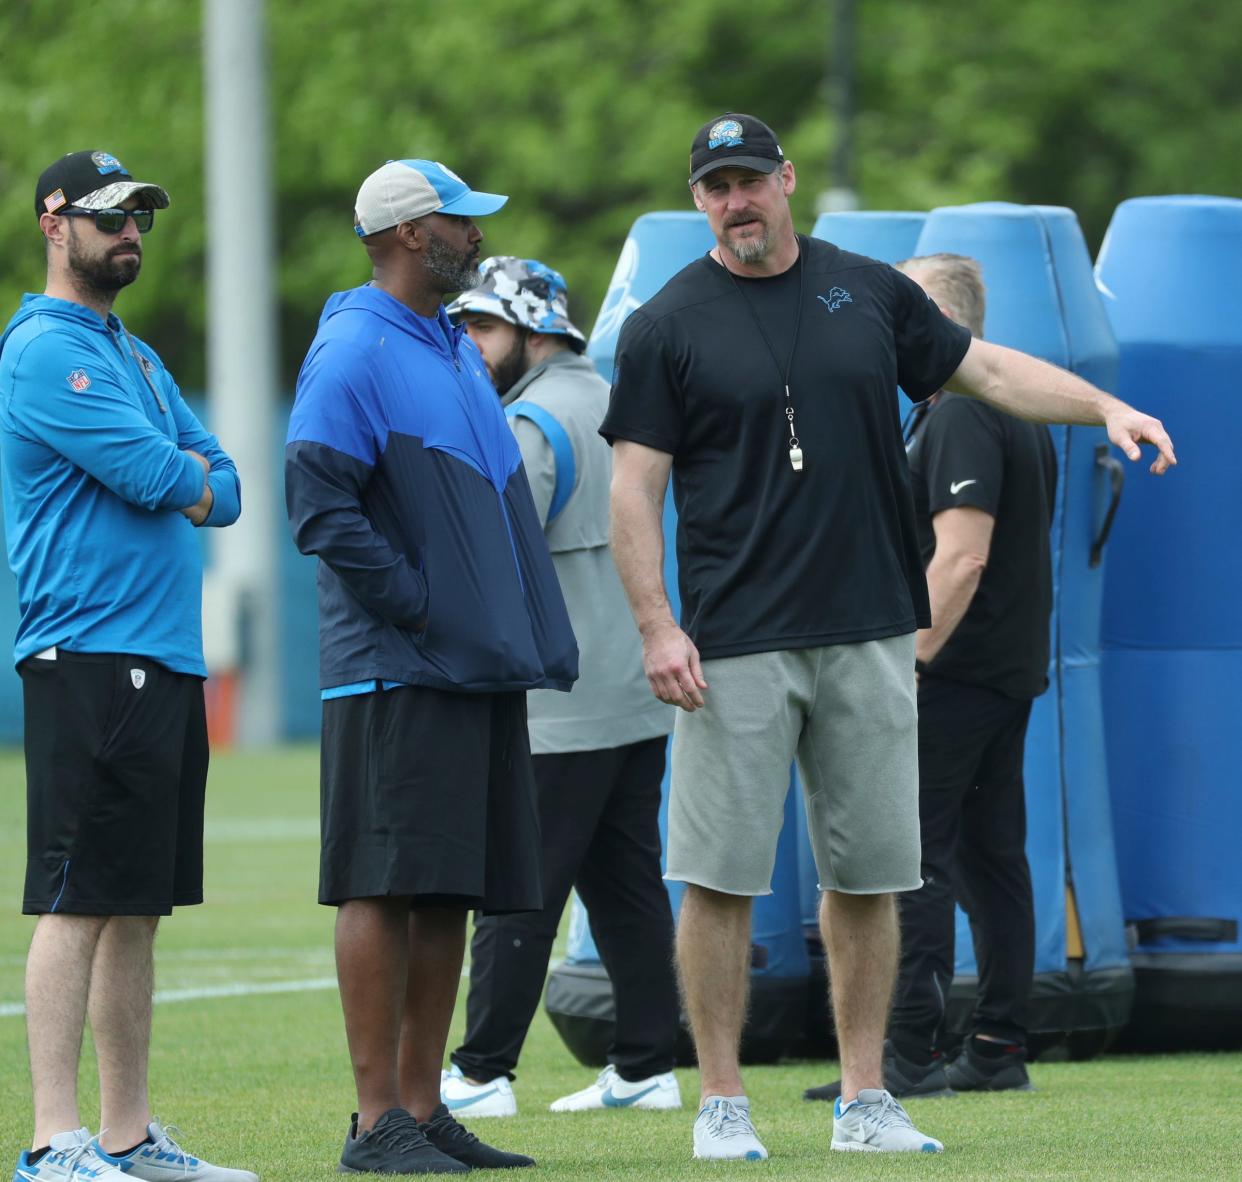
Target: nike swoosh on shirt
466,1101
957,486
612,1100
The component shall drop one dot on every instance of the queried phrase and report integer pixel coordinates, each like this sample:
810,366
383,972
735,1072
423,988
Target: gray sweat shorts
847,713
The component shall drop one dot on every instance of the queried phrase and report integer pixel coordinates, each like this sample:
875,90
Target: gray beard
750,250
455,269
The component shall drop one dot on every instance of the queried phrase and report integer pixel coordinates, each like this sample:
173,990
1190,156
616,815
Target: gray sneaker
722,1131
161,1159
876,1123
72,1157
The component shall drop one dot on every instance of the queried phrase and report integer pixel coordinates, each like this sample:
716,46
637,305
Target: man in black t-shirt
984,491
763,377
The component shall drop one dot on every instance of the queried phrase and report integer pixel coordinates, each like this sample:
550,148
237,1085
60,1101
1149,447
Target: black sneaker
396,1145
973,1072
901,1077
454,1139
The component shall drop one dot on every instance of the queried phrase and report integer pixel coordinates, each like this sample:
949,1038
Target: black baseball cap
92,180
734,141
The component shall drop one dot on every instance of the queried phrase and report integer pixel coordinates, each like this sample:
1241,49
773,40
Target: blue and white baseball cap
407,189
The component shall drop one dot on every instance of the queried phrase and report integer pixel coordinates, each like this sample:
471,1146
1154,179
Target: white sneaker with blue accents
722,1131
611,1091
161,1159
874,1122
467,1101
71,1158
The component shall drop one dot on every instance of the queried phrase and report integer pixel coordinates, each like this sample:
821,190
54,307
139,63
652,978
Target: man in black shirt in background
984,491
763,377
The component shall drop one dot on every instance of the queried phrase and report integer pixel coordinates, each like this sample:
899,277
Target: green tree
583,113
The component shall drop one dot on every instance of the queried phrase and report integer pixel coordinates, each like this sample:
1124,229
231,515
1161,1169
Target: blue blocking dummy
1041,298
1172,633
579,996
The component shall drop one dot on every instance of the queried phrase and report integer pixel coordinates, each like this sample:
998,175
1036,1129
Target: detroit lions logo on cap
106,163
444,168
725,134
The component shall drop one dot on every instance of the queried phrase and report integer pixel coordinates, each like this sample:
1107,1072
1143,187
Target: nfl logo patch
78,380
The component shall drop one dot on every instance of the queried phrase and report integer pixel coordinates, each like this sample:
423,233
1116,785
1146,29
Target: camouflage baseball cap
524,292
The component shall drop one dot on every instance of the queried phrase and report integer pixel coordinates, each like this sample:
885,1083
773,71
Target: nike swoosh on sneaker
611,1100
957,486
466,1101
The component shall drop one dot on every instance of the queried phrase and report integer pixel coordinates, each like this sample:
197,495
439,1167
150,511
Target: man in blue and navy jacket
106,472
438,608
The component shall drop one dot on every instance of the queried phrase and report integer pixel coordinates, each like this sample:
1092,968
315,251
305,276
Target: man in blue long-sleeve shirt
106,472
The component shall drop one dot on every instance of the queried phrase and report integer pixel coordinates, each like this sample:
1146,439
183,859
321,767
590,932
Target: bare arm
963,541
1032,389
639,482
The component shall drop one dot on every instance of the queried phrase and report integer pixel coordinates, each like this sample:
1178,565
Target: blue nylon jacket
402,475
94,470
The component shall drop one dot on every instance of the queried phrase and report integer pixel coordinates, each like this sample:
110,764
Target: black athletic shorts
429,794
116,770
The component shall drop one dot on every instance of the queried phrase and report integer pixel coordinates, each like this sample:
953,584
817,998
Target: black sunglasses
112,221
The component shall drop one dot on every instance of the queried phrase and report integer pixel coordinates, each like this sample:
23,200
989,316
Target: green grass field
261,1079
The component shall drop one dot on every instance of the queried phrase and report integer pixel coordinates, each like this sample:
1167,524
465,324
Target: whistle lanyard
795,446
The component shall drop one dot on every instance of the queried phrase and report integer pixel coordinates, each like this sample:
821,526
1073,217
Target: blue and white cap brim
472,204
474,301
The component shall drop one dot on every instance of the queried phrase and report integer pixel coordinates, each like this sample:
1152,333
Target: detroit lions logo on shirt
725,134
835,298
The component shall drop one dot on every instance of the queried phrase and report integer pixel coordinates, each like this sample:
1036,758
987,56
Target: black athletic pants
973,817
598,816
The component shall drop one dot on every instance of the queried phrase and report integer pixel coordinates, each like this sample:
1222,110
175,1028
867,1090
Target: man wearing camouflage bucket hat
598,752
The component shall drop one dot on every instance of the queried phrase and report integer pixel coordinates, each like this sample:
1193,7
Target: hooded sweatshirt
94,468
401,474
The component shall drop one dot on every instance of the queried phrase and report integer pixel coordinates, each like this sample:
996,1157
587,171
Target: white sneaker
71,1158
611,1091
722,1130
876,1123
467,1100
162,1160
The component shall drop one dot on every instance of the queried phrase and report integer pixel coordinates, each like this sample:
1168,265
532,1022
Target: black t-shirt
964,452
770,558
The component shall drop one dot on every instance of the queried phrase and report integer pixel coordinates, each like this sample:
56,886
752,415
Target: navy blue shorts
116,772
429,794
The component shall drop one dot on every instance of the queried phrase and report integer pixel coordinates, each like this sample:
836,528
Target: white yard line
14,1009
